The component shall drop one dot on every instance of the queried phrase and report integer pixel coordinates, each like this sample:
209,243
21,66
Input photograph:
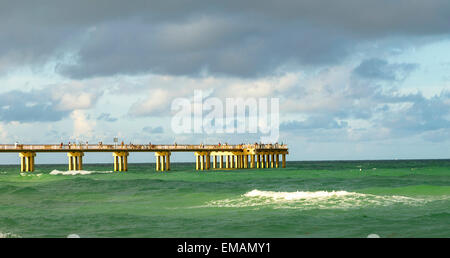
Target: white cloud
157,100
82,127
3,134
77,95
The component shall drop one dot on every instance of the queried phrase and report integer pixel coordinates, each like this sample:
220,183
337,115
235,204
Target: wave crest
297,195
312,200
8,235
77,172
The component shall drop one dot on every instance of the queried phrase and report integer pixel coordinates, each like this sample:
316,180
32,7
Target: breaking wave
77,172
312,200
296,195
8,235
30,174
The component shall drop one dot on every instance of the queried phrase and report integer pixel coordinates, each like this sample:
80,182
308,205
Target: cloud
153,130
380,69
33,106
106,117
49,104
437,136
332,101
314,122
155,104
3,134
421,115
336,104
194,37
82,126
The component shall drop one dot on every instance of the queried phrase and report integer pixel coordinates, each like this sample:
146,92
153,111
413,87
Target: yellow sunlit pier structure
206,156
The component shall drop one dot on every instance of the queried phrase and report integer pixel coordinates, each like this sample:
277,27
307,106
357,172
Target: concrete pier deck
221,155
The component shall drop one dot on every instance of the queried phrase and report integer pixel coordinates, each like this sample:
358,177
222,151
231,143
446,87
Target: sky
355,79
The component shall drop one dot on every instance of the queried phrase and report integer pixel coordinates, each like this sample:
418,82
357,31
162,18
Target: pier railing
131,147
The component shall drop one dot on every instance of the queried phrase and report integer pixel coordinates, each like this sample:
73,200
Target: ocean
395,198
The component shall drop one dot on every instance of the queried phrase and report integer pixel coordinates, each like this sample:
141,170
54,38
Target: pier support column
277,160
80,163
162,160
272,161
168,161
214,161
163,163
283,157
158,163
221,161
75,160
31,162
245,161
258,161
22,164
208,161
263,161
116,163
202,160
120,160
27,161
252,161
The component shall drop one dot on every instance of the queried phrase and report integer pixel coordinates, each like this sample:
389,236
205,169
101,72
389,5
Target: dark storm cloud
221,47
34,106
376,68
239,38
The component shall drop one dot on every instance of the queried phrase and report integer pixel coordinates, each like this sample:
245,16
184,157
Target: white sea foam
31,174
311,200
77,172
73,236
296,195
8,235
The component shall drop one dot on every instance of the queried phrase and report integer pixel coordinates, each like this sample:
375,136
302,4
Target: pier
207,157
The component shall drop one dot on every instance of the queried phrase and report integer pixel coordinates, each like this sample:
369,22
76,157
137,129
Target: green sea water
405,198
